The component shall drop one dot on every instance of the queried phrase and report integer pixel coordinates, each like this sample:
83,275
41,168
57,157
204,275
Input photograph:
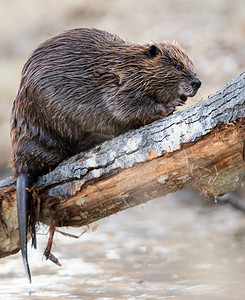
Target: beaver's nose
196,83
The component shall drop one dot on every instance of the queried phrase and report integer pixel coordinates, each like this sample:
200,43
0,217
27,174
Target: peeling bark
201,147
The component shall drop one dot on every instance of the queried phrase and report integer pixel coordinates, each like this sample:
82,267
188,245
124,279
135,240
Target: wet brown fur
86,85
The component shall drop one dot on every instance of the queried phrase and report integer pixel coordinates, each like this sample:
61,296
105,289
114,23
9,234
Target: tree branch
201,147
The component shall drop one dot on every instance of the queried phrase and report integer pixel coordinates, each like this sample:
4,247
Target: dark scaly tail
22,185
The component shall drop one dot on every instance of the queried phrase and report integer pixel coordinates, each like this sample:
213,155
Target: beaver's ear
153,50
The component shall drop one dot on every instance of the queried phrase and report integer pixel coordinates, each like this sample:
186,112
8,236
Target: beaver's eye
178,67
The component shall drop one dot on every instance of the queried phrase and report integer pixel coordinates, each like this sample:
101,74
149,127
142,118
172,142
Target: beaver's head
172,72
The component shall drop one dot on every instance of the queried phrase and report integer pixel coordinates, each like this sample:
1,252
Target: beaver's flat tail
22,185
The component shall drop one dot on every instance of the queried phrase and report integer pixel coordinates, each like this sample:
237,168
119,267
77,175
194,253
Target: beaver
82,87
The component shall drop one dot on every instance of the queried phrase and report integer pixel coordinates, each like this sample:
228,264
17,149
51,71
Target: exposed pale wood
201,147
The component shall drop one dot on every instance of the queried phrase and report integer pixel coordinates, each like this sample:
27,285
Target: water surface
167,249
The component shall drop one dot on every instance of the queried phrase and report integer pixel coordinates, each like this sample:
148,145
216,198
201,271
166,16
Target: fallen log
201,147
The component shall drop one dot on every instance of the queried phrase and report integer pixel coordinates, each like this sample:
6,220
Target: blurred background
176,247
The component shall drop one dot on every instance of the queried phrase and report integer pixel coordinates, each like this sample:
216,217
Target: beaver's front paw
171,106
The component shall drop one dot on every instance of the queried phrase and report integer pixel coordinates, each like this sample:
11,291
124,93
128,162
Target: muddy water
166,249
